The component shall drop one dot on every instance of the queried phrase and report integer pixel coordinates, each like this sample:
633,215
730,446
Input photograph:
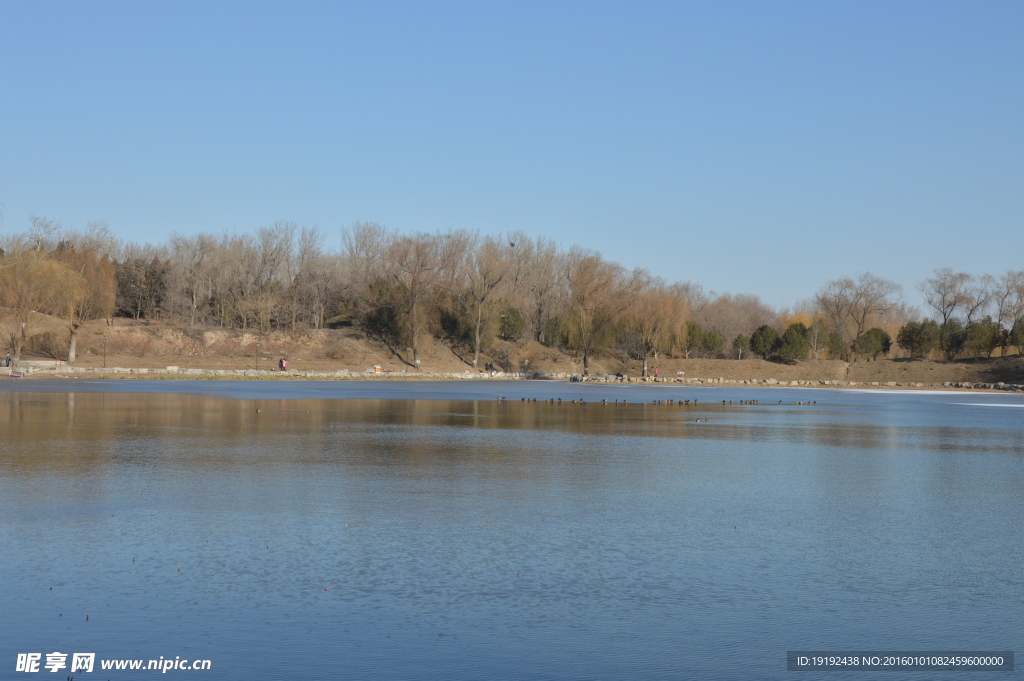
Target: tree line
468,290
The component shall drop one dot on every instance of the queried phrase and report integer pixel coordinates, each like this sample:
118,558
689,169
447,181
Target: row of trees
468,290
972,316
953,338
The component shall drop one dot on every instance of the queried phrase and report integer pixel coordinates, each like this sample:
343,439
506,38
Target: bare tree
367,268
1009,298
365,245
732,315
140,275
954,294
364,250
31,283
92,293
851,304
191,272
415,263
486,266
694,295
817,337
230,285
43,233
317,278
522,258
980,298
535,278
260,268
873,297
98,238
599,291
653,314
835,302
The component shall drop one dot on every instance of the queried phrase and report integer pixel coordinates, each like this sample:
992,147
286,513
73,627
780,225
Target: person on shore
283,364
7,360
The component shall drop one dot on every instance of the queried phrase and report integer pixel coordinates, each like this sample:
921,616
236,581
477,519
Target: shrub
763,340
512,325
983,337
793,343
454,328
918,338
952,338
1017,336
873,342
383,322
556,333
711,342
837,347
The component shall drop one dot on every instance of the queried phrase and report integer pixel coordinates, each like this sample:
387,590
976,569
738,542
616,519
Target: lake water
426,530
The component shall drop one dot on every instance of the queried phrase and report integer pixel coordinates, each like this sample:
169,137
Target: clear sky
750,147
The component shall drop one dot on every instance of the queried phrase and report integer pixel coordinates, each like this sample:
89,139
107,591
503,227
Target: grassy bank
140,346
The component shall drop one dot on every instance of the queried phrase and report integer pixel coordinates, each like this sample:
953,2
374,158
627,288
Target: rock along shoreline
54,370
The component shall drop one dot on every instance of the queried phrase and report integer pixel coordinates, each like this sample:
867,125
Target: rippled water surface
362,530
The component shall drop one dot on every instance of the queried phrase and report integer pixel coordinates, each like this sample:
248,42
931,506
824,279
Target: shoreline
50,370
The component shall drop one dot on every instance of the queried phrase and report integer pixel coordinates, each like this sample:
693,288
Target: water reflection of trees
75,432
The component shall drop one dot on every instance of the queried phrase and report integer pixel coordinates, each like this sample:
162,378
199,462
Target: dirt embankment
134,345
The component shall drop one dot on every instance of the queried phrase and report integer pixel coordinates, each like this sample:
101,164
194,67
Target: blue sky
750,147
